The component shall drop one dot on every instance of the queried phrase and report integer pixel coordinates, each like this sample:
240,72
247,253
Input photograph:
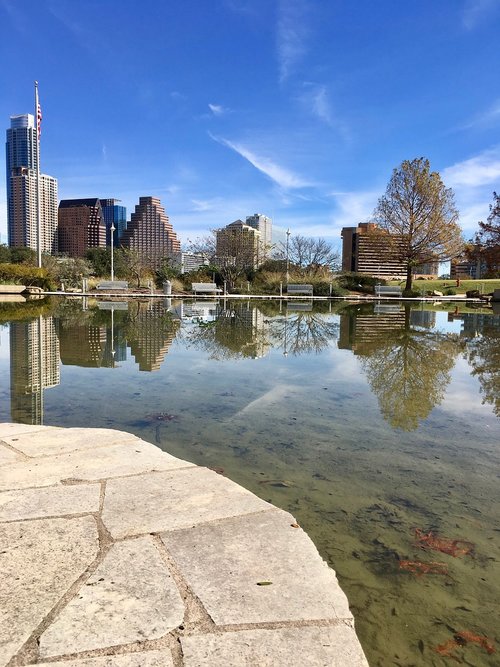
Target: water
376,426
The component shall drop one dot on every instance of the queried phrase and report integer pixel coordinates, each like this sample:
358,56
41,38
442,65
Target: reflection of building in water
426,319
82,344
34,367
205,311
361,331
115,349
149,334
473,324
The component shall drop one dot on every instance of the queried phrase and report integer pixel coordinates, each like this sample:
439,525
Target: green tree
486,242
100,261
418,216
17,255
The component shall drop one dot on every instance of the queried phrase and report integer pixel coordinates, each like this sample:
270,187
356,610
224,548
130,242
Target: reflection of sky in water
307,432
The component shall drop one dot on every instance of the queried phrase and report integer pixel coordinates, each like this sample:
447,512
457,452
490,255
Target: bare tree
418,215
310,254
233,256
138,265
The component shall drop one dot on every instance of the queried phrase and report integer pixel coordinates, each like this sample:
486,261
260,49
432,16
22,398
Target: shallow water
376,426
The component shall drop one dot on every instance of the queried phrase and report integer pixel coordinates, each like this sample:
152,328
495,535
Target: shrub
451,292
22,274
359,282
411,293
322,288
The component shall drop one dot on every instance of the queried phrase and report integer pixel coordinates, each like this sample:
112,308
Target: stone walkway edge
114,553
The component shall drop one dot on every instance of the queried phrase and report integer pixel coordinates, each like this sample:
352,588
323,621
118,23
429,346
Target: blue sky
298,109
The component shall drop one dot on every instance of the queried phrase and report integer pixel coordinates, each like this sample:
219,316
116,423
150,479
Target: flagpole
38,214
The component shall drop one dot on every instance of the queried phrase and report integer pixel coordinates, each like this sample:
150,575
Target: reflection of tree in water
408,370
237,331
242,331
301,333
483,353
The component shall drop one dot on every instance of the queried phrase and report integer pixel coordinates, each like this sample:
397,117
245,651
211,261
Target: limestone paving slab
170,500
130,597
142,659
335,646
39,561
225,563
49,501
53,440
103,462
8,456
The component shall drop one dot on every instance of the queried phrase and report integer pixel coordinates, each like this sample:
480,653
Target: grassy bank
484,286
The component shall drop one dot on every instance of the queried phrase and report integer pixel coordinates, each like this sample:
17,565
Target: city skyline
299,110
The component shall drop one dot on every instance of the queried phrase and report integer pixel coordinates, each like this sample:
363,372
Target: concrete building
115,215
150,233
365,249
23,223
22,166
188,261
264,225
238,243
464,268
81,226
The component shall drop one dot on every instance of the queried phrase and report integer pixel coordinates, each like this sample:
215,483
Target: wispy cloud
477,11
353,207
474,172
474,180
321,105
177,96
203,205
280,175
291,36
218,109
484,119
17,17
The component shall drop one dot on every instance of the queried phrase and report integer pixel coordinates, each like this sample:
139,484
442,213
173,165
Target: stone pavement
114,553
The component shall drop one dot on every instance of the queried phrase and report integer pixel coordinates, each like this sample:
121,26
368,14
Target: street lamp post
112,230
287,259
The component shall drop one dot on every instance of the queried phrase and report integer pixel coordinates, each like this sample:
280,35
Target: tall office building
150,233
265,226
115,215
80,226
22,164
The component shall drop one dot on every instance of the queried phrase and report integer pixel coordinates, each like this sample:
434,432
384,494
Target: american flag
39,119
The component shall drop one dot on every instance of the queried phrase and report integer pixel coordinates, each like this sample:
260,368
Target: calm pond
377,426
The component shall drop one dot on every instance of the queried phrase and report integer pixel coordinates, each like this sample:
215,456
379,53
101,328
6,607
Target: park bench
205,288
299,289
388,290
111,285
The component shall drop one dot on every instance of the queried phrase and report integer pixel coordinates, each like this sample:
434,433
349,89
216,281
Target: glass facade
116,215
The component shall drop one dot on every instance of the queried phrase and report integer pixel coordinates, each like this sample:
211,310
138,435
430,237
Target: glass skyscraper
22,165
116,215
